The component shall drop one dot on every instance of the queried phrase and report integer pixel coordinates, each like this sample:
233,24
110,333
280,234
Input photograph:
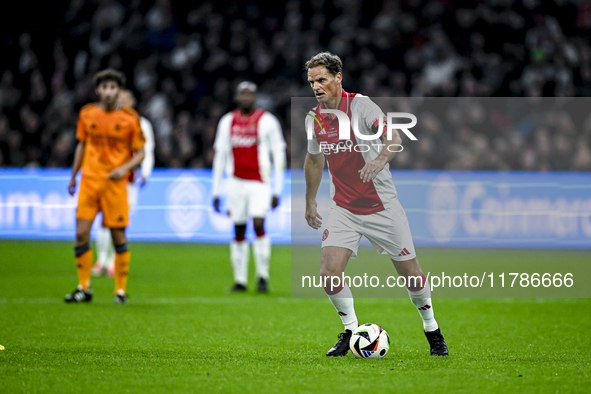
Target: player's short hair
246,85
333,63
109,75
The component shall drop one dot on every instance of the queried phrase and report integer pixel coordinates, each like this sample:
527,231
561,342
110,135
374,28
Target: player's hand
72,186
275,202
117,173
370,170
312,217
216,204
142,181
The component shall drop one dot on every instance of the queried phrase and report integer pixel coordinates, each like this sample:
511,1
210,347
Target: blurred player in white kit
248,141
105,264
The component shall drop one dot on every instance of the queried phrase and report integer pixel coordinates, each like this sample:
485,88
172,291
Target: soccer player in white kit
365,200
247,139
105,264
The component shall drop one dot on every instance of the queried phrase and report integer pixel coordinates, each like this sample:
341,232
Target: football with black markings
369,341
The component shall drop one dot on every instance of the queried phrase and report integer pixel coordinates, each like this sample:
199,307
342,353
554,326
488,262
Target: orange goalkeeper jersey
110,138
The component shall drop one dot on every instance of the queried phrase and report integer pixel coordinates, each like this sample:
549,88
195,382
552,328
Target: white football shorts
388,231
132,195
247,199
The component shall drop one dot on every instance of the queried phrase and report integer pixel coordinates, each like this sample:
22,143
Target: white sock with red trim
343,302
421,298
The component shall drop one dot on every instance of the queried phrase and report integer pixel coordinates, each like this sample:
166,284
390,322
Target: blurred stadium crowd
184,59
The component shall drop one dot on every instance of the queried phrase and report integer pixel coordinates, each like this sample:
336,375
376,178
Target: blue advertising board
174,205
481,209
444,208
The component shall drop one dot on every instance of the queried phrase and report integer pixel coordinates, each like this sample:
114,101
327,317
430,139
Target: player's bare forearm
391,146
389,150
135,161
313,167
78,156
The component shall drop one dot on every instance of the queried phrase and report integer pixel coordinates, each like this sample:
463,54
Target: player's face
324,84
108,92
245,99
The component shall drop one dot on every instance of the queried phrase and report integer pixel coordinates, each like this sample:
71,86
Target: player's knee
82,237
327,270
259,228
240,232
118,236
408,268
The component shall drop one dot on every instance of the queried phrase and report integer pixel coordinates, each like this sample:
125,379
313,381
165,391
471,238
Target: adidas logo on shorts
404,252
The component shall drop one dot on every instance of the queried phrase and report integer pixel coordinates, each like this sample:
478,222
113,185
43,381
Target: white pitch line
283,300
162,301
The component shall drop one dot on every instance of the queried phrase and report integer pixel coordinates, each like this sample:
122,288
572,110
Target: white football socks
262,253
104,248
343,302
239,256
422,300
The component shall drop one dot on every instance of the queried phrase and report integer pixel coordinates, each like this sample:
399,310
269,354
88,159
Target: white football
369,341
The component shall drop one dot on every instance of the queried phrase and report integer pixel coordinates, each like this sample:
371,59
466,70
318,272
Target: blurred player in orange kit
110,144
105,264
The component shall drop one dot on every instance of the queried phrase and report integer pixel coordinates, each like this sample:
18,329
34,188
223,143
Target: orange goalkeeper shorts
107,196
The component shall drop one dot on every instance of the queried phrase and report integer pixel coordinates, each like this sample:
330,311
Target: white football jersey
246,146
148,163
346,157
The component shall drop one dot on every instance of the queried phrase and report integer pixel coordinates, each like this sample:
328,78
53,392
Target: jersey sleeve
148,163
370,115
221,146
277,144
81,126
137,138
313,147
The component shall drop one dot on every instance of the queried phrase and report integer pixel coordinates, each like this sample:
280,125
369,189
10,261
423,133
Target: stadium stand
184,60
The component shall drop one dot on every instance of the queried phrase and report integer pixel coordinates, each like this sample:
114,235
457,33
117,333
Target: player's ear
339,77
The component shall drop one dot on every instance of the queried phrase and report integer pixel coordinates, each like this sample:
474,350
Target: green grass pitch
183,332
